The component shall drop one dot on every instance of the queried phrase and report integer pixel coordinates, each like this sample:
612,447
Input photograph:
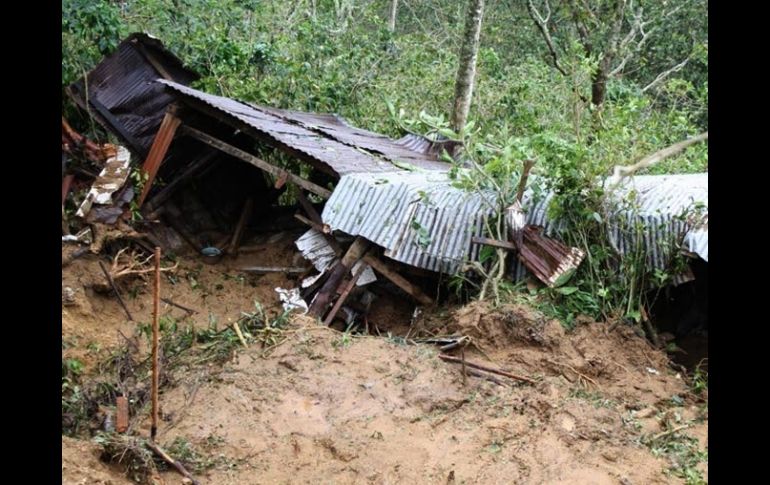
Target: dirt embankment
325,406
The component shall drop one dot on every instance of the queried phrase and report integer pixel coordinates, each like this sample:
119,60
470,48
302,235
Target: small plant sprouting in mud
700,380
343,341
683,453
129,452
495,447
182,450
595,398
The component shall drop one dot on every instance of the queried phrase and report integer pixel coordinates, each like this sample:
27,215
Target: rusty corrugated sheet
324,138
419,218
123,84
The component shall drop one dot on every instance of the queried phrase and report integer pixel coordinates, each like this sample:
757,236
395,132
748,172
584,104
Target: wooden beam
257,162
316,222
398,280
344,295
240,227
258,135
308,207
158,150
493,242
322,228
152,60
339,270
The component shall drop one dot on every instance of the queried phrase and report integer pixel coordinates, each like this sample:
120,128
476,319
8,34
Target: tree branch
665,74
624,171
542,25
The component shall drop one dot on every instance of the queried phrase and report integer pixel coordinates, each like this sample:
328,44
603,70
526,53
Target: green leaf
567,290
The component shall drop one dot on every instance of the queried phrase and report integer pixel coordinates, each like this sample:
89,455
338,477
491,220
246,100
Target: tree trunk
599,86
466,72
392,18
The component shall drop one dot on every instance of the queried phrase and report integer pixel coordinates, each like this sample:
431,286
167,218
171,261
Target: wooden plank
121,414
158,150
493,242
398,280
308,207
342,267
152,60
322,228
258,162
241,226
246,128
280,181
273,269
341,300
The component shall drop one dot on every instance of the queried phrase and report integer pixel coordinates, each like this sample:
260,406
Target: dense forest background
538,65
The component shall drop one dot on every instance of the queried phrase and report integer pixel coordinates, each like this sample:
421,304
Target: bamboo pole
155,332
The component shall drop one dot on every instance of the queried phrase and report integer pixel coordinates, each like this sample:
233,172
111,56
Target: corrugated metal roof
656,204
326,138
419,218
123,83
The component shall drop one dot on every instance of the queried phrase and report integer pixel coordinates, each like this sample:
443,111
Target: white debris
652,371
317,250
292,300
111,178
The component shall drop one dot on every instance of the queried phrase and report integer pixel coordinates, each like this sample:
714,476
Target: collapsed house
374,207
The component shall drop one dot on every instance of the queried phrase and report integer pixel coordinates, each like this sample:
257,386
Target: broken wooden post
341,300
115,289
158,150
235,244
155,336
413,290
339,270
121,412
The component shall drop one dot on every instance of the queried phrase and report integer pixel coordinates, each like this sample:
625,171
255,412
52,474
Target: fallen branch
624,171
178,466
237,329
484,375
669,432
115,289
456,360
130,268
181,307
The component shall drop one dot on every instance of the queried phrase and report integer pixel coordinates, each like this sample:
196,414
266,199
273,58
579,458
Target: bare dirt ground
329,407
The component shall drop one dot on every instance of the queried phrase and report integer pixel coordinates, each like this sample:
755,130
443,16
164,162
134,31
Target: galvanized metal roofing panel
653,203
419,218
325,138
